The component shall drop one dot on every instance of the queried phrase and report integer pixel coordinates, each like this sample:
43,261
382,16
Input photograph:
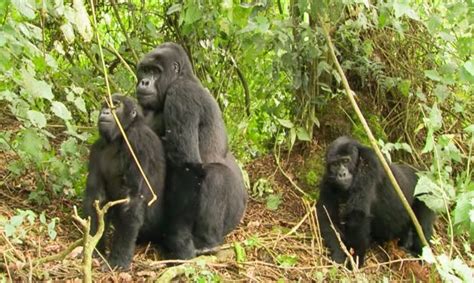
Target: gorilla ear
133,114
355,152
176,67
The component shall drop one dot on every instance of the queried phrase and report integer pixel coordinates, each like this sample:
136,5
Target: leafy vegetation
410,63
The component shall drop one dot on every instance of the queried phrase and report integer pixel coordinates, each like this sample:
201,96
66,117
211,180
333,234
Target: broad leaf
302,134
81,20
402,8
34,87
80,104
37,118
273,201
286,123
60,110
26,7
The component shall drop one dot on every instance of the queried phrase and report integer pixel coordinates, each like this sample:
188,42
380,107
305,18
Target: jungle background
267,63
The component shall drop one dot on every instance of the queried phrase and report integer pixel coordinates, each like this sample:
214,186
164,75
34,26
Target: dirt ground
282,244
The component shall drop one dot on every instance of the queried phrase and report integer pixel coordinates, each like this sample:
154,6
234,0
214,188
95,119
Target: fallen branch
90,242
341,243
60,256
175,271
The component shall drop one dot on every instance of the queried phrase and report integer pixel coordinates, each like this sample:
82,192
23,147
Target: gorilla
179,109
363,205
113,175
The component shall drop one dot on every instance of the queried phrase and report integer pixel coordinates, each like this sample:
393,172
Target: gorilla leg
178,241
222,204
426,217
127,220
182,203
358,227
208,231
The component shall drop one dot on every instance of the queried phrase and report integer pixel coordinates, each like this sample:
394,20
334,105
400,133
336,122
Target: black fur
114,175
178,107
362,203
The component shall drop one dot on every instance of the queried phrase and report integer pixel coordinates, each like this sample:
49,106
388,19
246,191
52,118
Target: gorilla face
125,111
341,162
340,173
157,71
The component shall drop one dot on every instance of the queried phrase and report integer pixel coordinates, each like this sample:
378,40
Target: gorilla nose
144,83
342,175
106,111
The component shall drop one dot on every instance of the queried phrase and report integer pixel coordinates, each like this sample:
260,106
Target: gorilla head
158,70
341,162
126,112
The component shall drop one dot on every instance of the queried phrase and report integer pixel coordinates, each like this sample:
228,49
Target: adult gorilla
362,204
177,106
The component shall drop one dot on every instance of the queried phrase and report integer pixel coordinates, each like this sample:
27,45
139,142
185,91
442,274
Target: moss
310,173
374,122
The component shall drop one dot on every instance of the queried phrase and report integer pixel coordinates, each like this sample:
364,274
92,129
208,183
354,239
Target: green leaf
433,75
68,32
81,20
17,220
428,255
34,87
302,134
464,204
42,218
429,143
286,123
441,92
435,119
469,67
273,201
8,95
402,8
69,147
404,87
470,129
51,229
173,9
287,260
60,110
292,137
192,14
433,195
31,143
80,104
240,254
26,7
37,118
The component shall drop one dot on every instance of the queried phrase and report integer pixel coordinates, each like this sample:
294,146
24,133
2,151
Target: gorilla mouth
145,94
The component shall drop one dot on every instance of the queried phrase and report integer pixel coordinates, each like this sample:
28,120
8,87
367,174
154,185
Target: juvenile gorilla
113,175
177,106
362,204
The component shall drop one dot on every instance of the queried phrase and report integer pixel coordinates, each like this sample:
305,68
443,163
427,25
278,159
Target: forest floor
279,244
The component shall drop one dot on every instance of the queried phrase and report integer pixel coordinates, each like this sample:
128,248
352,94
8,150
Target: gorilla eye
117,104
346,160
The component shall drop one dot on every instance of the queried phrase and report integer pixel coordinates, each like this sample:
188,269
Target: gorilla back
114,175
177,105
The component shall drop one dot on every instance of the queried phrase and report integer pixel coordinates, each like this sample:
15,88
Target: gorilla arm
95,190
182,127
358,211
327,209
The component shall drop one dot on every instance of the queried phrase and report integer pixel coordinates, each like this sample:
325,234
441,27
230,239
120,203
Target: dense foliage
411,64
